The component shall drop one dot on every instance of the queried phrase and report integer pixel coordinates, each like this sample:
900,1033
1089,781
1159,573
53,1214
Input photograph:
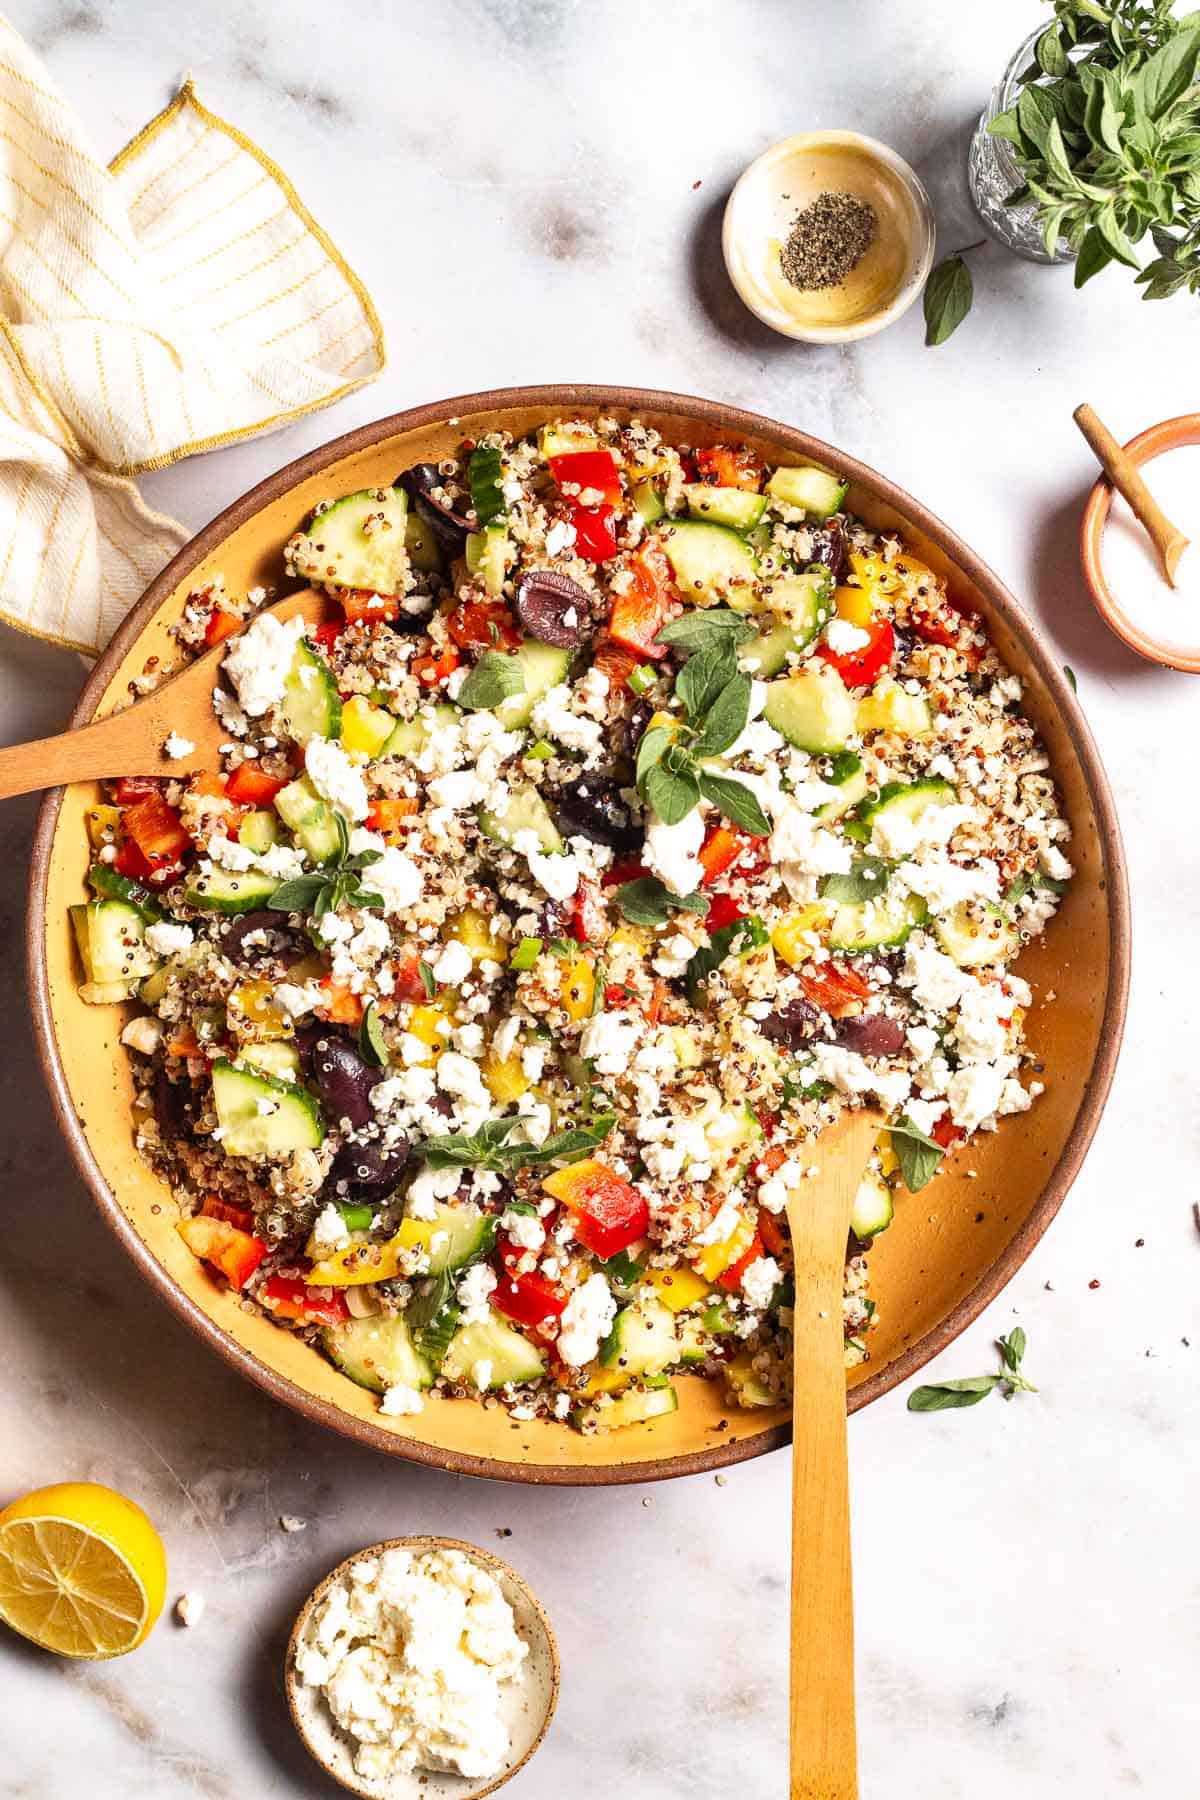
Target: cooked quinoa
637,810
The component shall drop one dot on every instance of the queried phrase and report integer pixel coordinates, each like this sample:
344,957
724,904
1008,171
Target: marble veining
532,189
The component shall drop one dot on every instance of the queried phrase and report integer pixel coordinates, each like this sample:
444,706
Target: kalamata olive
792,1024
449,527
829,550
871,1034
343,1080
553,608
594,809
235,933
369,1169
170,1106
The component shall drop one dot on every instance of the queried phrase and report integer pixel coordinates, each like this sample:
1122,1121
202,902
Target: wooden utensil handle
824,1755
112,746
1126,477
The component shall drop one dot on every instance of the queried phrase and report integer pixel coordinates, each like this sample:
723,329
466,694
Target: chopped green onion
642,679
542,751
357,1218
526,953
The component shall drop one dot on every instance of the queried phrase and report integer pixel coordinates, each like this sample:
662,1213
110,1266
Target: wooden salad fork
132,742
824,1758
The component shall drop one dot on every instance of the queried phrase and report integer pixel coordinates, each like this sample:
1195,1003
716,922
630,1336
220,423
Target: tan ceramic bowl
527,1706
951,1249
1169,434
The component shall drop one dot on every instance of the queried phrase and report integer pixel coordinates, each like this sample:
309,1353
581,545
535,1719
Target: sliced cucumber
108,885
724,506
642,1340
225,892
693,1341
273,1057
812,708
635,1408
526,811
852,785
544,666
746,1385
111,939
566,440
377,1353
259,831
358,542
814,491
489,555
309,819
420,540
977,935
454,1237
889,708
801,604
649,503
511,1355
710,562
907,799
411,736
310,706
260,1116
155,986
875,924
872,1210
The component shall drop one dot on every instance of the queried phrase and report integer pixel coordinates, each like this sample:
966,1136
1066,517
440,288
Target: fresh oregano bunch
1106,133
715,697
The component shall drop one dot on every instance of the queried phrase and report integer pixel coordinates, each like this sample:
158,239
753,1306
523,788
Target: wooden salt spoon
1126,477
824,1758
131,742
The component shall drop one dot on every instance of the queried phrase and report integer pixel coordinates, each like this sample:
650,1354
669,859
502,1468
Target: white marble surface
532,190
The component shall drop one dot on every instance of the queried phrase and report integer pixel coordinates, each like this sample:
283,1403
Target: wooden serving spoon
824,1759
1126,477
131,742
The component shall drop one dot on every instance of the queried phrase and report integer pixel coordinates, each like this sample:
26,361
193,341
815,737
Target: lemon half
82,1570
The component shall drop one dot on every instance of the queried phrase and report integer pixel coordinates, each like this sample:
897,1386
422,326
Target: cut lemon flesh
82,1570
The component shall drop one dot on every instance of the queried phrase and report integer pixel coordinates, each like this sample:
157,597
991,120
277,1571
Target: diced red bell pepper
406,972
129,789
157,830
617,664
723,910
390,817
360,604
723,465
235,1253
221,625
327,635
772,1229
584,469
722,847
639,614
589,920
628,869
731,1277
213,1207
595,539
833,987
483,625
130,862
289,1298
432,670
940,622
529,1298
859,668
341,1006
251,786
947,1133
609,1214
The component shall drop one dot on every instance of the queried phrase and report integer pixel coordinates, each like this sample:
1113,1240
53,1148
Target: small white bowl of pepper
828,236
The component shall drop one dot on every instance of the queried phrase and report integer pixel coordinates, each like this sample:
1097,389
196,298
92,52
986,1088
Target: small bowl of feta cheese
422,1666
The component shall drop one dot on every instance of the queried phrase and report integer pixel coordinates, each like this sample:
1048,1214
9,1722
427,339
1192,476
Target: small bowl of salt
1157,617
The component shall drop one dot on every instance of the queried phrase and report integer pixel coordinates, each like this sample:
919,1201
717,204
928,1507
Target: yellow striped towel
179,299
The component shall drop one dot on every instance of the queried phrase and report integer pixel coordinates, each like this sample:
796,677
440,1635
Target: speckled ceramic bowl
527,1705
950,1250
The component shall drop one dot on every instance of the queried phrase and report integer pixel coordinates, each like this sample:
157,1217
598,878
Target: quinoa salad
636,810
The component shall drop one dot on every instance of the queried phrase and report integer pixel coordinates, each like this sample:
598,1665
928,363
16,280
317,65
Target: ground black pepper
828,239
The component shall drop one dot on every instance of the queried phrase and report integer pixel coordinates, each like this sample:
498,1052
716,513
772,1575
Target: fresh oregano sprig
943,1396
335,884
715,696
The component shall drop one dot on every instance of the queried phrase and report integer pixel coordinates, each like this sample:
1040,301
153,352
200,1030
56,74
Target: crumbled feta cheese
481,1374
336,778
760,1280
674,955
945,885
897,834
453,964
936,980
166,938
608,1040
843,637
459,791
396,879
981,1028
671,851
801,843
399,1401
329,1229
974,1091
189,1608
586,1319
1054,863
427,1188
143,1034
853,1074
473,1293
259,661
557,875
525,1229
177,747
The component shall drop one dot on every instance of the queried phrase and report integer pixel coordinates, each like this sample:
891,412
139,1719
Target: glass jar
993,173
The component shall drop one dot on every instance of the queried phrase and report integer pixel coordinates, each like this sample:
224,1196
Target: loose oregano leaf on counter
948,296
942,1396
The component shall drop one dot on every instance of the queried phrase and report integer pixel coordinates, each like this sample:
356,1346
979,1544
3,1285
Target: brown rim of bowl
1117,892
495,1566
1168,434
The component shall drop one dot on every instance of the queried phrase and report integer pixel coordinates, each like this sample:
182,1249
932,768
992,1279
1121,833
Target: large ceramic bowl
949,1252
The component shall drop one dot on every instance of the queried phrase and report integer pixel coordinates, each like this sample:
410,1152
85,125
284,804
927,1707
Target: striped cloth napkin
177,300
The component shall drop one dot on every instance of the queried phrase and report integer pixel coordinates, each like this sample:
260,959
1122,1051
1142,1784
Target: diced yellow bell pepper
429,1023
365,728
635,938
358,1264
714,1259
889,1162
605,1381
102,823
255,1001
504,1078
578,988
793,937
855,605
872,572
472,929
687,1052
676,1288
